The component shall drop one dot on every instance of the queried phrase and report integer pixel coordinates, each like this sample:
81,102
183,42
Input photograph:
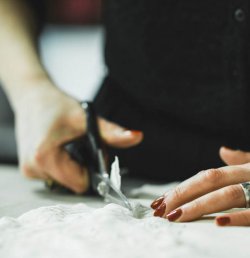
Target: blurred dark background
71,28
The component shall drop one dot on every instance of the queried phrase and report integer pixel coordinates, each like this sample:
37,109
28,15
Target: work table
19,194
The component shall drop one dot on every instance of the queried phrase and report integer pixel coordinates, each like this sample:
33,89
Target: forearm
19,59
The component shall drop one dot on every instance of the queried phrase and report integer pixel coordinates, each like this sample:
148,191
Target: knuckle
214,175
177,193
196,206
40,157
234,192
245,218
27,171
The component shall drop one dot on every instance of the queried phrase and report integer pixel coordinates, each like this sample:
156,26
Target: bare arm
19,59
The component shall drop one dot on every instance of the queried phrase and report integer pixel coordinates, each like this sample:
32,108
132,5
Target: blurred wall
7,135
74,11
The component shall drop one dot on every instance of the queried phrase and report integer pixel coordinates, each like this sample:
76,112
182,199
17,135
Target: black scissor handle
84,150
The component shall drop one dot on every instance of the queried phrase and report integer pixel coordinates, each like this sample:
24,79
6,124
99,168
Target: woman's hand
210,191
46,119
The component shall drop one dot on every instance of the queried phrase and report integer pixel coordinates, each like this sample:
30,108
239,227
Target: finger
234,157
118,136
223,199
241,218
205,182
32,172
67,172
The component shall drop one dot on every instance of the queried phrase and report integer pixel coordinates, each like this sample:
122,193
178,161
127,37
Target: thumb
118,136
234,157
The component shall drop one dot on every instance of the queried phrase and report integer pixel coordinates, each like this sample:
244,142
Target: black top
178,70
186,59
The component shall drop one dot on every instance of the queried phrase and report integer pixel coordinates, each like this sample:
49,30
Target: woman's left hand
210,191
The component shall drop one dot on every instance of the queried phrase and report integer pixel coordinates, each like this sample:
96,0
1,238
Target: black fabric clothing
170,151
178,70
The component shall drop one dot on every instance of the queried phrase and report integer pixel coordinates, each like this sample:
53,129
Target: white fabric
81,231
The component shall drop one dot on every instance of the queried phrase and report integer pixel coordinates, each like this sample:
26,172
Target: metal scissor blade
106,188
122,197
112,194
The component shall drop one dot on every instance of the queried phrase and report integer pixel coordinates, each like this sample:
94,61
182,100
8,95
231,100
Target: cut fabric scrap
113,194
115,175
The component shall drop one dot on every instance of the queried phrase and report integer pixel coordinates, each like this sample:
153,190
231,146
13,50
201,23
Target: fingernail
156,203
129,133
136,132
123,132
159,212
227,148
223,221
174,215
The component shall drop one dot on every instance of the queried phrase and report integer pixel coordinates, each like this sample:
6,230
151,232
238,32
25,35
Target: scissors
89,151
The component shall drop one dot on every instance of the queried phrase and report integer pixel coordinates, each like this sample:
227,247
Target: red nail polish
159,212
174,215
156,203
223,221
136,132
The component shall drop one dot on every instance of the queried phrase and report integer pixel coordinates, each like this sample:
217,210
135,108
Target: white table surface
19,194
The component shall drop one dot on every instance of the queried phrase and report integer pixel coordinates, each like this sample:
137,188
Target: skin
211,191
46,118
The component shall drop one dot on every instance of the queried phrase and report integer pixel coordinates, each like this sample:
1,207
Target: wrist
28,89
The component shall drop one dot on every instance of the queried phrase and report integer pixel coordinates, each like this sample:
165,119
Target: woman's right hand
46,119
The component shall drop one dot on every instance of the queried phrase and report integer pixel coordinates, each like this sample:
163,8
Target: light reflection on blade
104,188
